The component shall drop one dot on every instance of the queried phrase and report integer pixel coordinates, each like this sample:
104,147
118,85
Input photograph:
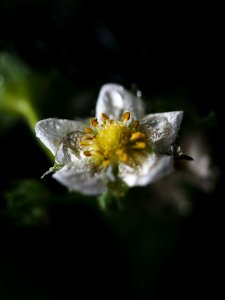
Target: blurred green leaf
15,96
27,202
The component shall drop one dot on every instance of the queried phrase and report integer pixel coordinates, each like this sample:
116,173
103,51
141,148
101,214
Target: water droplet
139,94
175,150
179,152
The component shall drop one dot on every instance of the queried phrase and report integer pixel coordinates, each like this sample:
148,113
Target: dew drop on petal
139,94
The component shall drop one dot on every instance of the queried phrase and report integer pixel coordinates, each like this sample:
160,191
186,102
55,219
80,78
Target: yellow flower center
113,141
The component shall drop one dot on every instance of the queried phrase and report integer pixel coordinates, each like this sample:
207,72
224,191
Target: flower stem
108,201
27,111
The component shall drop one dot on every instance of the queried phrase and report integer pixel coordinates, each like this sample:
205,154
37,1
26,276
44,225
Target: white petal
162,129
153,168
70,149
52,131
80,176
114,100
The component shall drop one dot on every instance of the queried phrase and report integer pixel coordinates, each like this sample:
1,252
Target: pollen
126,116
139,145
87,153
136,136
84,143
88,130
135,124
110,142
93,122
104,117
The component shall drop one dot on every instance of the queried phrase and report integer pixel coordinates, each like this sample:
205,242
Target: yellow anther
119,151
87,153
94,122
88,137
126,116
105,162
136,136
104,117
135,124
139,145
123,156
111,141
84,143
99,153
88,130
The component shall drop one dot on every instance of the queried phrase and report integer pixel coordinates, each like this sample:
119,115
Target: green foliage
15,92
27,202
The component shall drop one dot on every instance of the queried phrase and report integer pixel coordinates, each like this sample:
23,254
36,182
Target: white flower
119,145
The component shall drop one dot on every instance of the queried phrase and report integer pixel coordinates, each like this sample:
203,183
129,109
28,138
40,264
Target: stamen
122,155
94,122
126,116
135,123
84,143
88,130
139,145
104,117
136,136
99,152
105,162
88,137
112,142
87,153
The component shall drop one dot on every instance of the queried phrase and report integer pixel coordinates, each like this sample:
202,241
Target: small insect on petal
126,116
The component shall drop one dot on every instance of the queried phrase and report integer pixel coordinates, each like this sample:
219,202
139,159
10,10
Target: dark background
172,54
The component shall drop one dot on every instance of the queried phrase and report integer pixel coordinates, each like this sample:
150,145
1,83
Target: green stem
109,201
24,107
30,115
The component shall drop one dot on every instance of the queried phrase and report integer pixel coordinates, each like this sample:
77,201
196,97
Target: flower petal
161,129
70,148
114,100
153,168
52,131
80,176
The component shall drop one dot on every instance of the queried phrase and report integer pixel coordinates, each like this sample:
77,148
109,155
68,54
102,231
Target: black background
164,50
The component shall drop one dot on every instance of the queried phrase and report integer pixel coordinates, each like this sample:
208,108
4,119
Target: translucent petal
70,148
114,100
81,176
53,131
152,169
161,129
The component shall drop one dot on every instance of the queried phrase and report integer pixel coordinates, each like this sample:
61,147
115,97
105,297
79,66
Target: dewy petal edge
120,144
